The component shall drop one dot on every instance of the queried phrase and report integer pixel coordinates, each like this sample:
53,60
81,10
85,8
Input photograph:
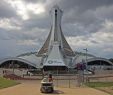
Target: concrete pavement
33,88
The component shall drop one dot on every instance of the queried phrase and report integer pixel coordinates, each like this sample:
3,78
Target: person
50,77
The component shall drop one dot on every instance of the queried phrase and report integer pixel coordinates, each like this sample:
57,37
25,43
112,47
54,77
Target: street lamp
86,64
86,57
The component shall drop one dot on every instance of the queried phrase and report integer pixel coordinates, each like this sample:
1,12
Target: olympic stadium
55,52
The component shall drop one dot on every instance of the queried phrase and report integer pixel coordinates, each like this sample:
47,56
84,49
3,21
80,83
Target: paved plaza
33,88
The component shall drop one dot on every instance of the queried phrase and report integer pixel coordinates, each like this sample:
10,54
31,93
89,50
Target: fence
71,78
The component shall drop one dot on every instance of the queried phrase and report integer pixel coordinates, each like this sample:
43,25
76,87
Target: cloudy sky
25,24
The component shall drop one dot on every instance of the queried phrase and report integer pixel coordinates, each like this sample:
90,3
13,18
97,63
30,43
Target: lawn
103,86
7,83
99,84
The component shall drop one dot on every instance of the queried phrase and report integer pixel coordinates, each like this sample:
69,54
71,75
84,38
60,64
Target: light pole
86,64
86,57
13,65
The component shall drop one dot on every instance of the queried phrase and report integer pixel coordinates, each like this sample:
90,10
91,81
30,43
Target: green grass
4,83
99,84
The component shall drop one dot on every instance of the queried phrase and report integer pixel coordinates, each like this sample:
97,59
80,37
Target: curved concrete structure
17,59
99,59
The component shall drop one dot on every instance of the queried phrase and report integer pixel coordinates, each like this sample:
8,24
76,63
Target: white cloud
25,25
36,8
9,24
105,34
23,9
26,42
100,43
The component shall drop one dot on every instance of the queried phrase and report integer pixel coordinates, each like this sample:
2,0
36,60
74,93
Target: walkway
33,88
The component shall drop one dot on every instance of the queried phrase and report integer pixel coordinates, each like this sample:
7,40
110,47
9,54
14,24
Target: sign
54,62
